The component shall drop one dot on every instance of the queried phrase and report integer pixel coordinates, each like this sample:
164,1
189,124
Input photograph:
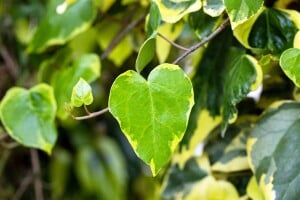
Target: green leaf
61,23
290,64
153,114
273,32
154,19
213,8
146,53
241,10
28,116
101,170
81,94
203,24
273,150
173,10
60,166
245,75
87,67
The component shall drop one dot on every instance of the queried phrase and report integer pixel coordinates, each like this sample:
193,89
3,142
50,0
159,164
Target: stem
10,63
93,114
172,43
123,32
204,41
23,187
38,187
86,109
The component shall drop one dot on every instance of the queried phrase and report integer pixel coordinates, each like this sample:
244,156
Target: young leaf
153,113
58,27
87,67
81,94
241,10
290,64
28,116
172,11
146,53
273,150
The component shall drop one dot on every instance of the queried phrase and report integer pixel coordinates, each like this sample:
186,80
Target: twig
10,63
204,41
91,115
23,186
38,187
172,43
121,35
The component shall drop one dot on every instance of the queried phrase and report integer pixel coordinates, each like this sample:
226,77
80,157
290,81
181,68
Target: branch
23,186
204,41
91,115
38,187
123,32
10,63
172,43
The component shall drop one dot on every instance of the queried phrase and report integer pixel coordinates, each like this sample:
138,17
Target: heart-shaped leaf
28,116
213,8
153,114
81,94
87,66
290,64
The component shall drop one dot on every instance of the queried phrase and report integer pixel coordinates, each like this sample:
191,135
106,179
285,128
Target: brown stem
204,41
23,187
38,187
91,115
10,63
172,43
121,35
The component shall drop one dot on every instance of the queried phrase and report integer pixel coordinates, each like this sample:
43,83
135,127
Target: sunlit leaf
87,67
241,10
53,30
273,150
210,188
81,94
290,64
253,190
297,40
28,116
152,124
173,10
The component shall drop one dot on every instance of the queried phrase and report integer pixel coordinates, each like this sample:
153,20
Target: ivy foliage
185,99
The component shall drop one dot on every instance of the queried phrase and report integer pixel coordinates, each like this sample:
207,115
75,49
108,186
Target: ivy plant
150,99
